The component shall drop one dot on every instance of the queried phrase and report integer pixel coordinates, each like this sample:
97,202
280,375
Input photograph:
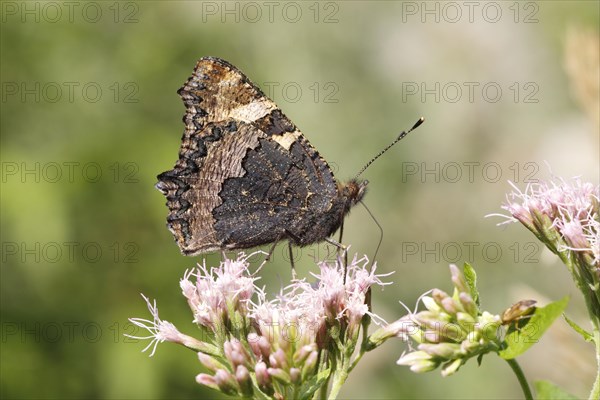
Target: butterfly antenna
399,138
380,230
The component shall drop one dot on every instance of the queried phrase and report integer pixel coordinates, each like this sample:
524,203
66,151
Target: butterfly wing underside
246,175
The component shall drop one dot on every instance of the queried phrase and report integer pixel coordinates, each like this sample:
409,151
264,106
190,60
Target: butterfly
246,176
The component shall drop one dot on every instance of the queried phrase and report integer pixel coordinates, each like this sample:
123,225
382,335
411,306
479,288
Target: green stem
521,377
338,380
323,364
341,372
356,360
323,390
595,393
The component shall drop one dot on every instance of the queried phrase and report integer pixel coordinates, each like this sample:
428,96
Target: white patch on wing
287,139
253,111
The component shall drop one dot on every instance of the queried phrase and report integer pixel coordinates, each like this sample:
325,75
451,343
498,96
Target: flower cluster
287,347
451,330
565,216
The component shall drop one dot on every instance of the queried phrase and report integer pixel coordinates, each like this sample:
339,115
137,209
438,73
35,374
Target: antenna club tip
418,123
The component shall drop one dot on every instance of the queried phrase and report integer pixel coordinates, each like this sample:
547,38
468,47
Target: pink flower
271,345
347,299
215,292
161,331
564,215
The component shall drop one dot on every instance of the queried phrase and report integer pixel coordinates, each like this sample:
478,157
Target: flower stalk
565,216
516,368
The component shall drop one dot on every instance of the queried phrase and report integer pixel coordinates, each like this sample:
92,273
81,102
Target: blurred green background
90,116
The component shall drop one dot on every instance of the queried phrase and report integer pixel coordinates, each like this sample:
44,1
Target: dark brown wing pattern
246,175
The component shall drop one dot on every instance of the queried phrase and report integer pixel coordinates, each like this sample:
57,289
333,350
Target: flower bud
452,332
226,382
472,343
403,328
438,295
242,376
450,306
451,367
431,336
253,339
431,304
236,353
465,319
309,366
488,326
260,346
574,236
458,279
302,354
192,343
413,357
468,304
442,350
295,375
289,334
280,375
539,217
207,380
430,320
522,214
424,366
210,362
278,359
263,378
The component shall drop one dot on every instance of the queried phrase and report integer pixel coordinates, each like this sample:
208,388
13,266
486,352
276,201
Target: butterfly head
353,191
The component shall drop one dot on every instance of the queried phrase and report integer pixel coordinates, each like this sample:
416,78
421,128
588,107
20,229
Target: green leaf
588,337
520,339
479,359
309,388
549,391
471,278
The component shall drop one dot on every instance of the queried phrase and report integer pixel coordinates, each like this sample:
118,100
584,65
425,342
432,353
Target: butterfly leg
344,250
271,250
292,260
295,238
340,241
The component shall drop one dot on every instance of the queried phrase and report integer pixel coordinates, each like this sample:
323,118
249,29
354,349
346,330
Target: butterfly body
246,176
